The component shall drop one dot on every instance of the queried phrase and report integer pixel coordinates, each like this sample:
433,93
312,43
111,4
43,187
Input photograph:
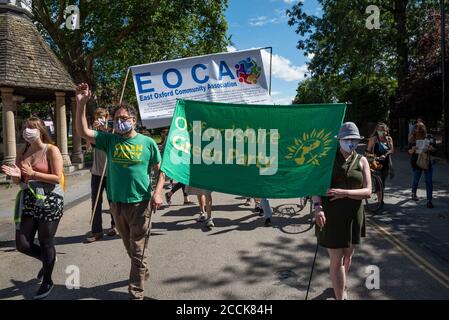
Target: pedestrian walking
421,148
39,172
267,211
205,203
339,215
381,145
131,158
98,181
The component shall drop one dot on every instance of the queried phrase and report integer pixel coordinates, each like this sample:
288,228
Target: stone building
30,72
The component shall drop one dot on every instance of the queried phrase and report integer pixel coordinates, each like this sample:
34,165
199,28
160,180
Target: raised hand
83,93
12,171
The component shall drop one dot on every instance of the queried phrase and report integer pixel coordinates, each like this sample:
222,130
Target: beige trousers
133,221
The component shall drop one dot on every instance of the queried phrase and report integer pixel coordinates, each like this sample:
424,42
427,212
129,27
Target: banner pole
271,64
124,86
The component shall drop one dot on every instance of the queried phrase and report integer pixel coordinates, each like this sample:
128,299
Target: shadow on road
27,290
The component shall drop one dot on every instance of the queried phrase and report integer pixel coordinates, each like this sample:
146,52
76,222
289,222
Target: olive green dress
345,218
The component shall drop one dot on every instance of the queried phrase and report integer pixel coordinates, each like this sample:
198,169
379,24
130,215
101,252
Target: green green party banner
261,151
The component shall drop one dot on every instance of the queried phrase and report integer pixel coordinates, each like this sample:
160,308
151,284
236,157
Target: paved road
241,259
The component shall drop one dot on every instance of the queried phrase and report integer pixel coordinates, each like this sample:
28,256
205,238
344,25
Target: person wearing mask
339,215
424,145
98,168
131,158
381,145
39,171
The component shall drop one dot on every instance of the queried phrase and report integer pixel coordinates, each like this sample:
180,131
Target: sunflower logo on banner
309,149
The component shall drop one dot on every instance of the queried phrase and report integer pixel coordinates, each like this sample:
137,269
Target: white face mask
30,135
349,145
381,133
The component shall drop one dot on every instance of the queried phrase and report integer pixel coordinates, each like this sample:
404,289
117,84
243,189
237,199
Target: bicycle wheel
292,221
374,203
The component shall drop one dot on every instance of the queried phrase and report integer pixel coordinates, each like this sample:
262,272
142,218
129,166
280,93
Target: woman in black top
381,145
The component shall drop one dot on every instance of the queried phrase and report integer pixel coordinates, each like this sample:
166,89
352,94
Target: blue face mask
349,145
123,127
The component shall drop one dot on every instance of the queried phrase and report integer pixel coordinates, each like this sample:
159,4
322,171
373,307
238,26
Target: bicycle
294,221
375,202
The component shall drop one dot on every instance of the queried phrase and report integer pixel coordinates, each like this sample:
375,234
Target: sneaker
94,237
247,203
168,198
260,212
210,223
202,217
112,232
430,205
268,222
44,290
415,197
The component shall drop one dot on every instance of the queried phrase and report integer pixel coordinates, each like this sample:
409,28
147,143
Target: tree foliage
425,74
114,35
350,60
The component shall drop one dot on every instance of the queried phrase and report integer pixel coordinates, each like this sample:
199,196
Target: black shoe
40,275
260,212
430,205
44,290
168,198
268,222
415,197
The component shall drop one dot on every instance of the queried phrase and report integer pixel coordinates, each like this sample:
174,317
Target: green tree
114,35
350,59
425,74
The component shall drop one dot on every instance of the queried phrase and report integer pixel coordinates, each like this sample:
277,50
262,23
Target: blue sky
263,23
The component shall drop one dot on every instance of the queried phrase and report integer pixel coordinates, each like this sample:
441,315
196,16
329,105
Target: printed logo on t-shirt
127,154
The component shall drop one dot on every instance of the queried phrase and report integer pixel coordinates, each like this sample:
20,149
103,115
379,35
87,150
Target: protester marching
213,122
39,206
131,157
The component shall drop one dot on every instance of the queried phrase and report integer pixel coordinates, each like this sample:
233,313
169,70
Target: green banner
261,151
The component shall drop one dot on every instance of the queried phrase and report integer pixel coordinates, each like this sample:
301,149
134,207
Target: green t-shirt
129,165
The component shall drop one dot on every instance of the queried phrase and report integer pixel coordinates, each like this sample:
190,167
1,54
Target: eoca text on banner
232,77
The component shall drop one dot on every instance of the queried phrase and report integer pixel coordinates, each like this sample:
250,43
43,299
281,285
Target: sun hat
349,130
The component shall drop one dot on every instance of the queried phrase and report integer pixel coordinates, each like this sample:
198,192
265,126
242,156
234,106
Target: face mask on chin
123,127
348,145
30,135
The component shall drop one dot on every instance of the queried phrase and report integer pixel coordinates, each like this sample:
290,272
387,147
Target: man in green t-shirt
130,158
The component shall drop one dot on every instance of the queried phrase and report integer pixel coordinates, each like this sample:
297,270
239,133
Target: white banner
233,77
